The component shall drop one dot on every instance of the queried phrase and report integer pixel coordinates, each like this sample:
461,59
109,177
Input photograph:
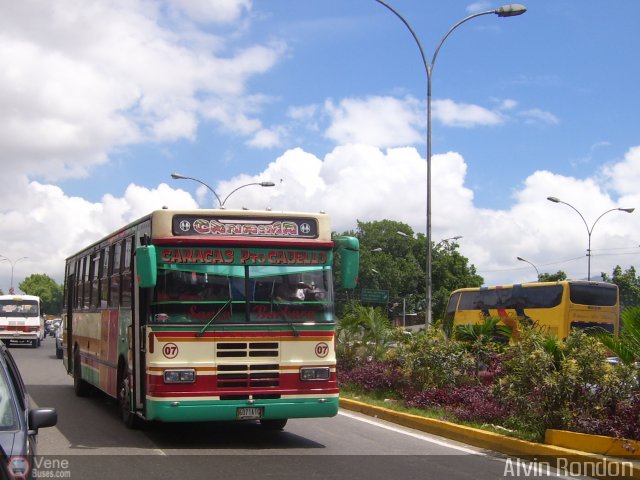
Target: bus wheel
34,343
80,387
129,418
273,424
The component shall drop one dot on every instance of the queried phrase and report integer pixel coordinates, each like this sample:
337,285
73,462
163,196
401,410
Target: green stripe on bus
225,410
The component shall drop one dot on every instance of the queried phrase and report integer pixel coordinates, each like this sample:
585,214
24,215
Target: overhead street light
589,229
536,268
510,10
221,203
13,264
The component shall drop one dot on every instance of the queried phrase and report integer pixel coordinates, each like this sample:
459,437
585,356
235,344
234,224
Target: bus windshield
242,293
19,308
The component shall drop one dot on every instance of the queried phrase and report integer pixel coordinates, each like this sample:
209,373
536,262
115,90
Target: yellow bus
556,307
209,315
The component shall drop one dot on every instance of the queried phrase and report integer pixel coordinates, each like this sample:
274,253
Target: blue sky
101,101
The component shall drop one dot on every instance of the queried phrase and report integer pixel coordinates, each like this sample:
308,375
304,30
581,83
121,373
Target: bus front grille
247,349
248,376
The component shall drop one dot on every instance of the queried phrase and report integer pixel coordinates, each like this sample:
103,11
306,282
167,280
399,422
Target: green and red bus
209,315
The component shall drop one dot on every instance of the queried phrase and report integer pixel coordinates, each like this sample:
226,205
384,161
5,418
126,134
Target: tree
47,289
449,271
396,262
553,277
628,283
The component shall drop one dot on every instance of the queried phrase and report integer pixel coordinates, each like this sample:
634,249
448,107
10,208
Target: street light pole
504,11
177,176
13,264
589,229
536,268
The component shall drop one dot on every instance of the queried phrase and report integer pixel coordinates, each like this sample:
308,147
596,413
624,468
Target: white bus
21,319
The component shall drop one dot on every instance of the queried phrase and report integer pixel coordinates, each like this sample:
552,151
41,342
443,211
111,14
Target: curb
566,460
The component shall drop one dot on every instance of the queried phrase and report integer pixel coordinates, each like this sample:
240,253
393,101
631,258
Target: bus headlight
179,376
314,373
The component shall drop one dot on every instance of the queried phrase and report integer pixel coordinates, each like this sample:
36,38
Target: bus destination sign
204,225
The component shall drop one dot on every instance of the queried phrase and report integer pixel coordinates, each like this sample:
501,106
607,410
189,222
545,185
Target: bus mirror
349,248
146,266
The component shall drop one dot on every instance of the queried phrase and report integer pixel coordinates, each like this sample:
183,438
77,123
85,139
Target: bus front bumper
193,410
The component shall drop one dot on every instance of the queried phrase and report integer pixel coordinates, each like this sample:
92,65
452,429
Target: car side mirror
41,418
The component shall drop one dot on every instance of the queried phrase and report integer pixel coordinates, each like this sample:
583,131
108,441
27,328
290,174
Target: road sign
368,295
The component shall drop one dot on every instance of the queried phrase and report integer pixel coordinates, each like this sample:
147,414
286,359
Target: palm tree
364,330
483,338
627,345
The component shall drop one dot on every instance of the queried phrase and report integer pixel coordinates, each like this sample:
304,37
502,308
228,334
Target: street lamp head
177,176
521,259
628,210
511,10
267,184
553,199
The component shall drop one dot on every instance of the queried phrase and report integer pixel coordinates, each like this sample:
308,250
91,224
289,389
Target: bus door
68,333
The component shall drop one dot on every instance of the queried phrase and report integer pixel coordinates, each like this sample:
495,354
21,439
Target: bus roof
533,284
19,296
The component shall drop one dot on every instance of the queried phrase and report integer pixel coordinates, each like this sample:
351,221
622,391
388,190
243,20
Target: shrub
433,360
549,383
472,403
373,377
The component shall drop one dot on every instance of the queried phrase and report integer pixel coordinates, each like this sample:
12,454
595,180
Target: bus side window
103,286
126,275
114,289
94,279
86,284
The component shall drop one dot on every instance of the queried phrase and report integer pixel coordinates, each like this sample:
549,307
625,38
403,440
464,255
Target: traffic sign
368,295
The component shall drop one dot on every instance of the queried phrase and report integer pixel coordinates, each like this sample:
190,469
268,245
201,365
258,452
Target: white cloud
219,11
84,77
380,121
464,115
539,116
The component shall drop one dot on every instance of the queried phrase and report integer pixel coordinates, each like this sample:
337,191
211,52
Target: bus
209,315
555,307
21,319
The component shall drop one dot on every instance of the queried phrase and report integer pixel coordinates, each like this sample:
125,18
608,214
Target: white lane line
411,434
509,461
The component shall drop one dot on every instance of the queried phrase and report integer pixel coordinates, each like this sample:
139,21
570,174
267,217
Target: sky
101,100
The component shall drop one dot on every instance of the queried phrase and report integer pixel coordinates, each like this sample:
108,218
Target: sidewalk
565,459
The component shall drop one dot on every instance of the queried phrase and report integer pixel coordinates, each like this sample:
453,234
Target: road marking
411,434
425,438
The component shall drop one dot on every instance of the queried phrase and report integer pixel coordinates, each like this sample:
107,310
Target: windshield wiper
201,332
276,306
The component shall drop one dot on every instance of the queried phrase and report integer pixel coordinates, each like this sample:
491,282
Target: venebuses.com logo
22,467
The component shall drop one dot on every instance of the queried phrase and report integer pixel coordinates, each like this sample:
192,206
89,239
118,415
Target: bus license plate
249,413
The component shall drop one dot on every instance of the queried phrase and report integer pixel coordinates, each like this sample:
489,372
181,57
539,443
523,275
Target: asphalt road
91,442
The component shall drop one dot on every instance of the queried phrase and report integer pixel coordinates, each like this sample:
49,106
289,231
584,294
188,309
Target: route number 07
322,349
170,350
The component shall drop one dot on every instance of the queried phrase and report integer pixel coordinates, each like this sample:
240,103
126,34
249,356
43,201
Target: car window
16,379
8,417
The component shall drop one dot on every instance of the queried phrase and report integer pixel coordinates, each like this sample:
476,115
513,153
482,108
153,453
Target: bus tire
273,425
80,386
34,343
130,419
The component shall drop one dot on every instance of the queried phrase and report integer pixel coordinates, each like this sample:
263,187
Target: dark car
19,424
59,351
